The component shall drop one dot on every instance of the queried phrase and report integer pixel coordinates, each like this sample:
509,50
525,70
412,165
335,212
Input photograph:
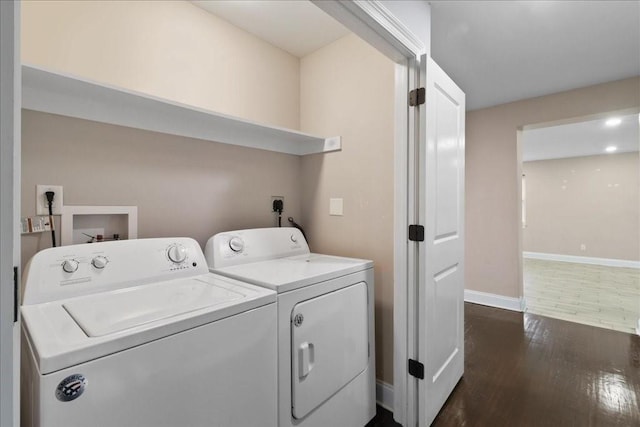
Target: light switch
335,207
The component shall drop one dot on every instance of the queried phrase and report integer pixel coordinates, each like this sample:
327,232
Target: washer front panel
203,375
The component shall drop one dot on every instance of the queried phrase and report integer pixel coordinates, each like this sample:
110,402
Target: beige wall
347,88
493,176
182,187
591,201
170,49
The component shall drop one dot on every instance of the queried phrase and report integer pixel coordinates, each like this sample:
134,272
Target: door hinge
16,294
416,369
417,97
416,233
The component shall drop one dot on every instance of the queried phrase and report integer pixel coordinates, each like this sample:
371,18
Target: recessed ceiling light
611,149
613,122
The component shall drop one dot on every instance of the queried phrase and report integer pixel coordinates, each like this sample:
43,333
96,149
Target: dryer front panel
329,346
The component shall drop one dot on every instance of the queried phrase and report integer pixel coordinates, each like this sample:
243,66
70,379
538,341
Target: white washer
326,357
140,333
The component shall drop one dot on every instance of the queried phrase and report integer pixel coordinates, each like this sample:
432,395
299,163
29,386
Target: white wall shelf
57,93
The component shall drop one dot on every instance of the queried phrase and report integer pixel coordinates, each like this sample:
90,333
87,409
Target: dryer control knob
236,244
294,239
70,265
99,262
177,253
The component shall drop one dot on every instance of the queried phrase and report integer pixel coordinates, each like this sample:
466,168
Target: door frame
10,99
372,22
520,173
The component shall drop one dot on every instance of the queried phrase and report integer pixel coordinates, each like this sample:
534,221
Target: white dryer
140,333
326,357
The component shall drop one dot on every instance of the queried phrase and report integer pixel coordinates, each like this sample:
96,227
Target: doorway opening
580,221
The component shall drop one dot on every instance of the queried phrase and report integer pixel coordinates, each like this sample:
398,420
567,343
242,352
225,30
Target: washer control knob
99,262
236,244
70,265
177,253
294,239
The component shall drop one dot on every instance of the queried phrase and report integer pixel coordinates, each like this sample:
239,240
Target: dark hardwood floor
529,370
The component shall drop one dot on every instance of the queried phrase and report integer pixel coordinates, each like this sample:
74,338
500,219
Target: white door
9,209
441,255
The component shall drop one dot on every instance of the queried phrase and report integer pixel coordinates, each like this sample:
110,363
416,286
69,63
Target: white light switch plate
42,206
336,207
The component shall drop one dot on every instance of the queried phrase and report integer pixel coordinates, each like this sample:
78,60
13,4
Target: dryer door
329,345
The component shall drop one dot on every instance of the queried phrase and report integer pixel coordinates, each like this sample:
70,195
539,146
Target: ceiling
297,27
496,51
503,51
586,138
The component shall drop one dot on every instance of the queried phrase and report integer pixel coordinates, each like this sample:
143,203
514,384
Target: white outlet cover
42,207
336,207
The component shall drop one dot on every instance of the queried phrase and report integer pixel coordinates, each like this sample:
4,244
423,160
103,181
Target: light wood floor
608,297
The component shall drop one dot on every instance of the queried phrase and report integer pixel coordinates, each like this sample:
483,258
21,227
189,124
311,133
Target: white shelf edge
58,93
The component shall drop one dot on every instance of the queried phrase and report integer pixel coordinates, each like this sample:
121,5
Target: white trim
392,25
400,265
10,141
610,262
494,300
384,395
373,23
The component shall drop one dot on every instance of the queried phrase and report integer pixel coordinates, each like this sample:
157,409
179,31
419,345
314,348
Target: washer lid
71,331
103,314
286,274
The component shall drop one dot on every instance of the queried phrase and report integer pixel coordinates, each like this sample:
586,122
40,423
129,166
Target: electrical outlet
42,206
273,199
583,247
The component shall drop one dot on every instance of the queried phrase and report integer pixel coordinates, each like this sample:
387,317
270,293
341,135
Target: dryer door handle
306,357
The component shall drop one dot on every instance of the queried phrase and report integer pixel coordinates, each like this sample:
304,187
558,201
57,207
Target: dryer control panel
253,245
70,271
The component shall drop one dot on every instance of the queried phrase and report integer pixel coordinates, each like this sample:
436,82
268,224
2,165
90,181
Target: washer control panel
69,271
253,245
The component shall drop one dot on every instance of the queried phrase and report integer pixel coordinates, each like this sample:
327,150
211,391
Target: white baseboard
384,395
610,262
494,300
